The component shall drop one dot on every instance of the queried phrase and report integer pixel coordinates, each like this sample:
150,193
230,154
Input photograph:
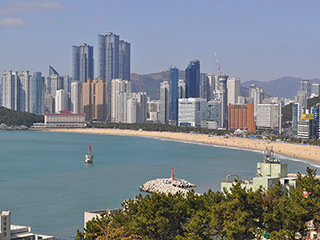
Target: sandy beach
300,151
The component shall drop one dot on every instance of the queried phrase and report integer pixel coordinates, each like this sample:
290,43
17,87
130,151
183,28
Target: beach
300,151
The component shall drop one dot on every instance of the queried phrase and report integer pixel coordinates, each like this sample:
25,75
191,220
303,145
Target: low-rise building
17,232
64,119
268,173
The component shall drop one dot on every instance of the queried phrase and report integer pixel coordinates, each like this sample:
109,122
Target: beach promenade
301,151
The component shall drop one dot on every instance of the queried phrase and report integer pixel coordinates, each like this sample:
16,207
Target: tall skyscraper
10,90
76,97
306,87
182,88
174,94
124,60
164,101
95,99
82,62
24,91
61,101
118,88
113,60
193,79
316,89
233,89
37,88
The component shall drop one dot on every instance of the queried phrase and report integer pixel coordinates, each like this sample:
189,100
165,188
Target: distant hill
150,83
282,87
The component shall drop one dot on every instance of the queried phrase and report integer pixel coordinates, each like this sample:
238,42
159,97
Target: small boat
89,157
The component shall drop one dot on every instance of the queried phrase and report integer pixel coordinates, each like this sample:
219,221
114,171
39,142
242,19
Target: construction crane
218,65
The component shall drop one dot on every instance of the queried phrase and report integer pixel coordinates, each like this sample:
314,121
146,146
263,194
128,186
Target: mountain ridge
282,87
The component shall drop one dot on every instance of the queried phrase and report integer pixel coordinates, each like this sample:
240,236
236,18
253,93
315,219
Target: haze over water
46,184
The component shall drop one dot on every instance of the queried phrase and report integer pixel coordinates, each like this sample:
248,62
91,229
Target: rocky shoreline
167,185
4,127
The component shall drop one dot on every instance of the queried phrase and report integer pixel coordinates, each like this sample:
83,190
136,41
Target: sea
45,183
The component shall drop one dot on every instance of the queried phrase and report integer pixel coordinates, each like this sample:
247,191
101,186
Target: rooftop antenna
218,64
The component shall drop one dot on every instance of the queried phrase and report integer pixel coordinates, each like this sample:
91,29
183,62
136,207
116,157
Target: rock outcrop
167,185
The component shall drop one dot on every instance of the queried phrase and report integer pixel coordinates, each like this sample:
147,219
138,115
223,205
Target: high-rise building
10,90
61,101
124,60
233,88
153,110
118,88
192,112
37,88
82,62
297,111
211,86
268,115
241,117
193,79
214,113
141,111
221,96
182,88
164,101
76,97
24,91
174,94
316,118
95,99
305,86
113,60
204,86
316,89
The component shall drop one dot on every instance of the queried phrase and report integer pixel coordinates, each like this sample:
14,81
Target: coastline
305,152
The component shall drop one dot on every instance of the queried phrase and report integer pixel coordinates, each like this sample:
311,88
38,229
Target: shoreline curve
299,151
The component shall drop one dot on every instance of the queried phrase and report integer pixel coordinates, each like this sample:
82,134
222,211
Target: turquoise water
46,184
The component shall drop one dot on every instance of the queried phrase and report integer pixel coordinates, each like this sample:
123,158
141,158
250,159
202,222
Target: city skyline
254,40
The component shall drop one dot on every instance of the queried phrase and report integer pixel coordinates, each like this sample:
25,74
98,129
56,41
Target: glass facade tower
174,94
193,79
82,62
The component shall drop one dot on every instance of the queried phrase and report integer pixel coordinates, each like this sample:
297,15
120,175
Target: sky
253,39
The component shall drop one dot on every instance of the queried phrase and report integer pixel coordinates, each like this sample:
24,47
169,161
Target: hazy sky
254,39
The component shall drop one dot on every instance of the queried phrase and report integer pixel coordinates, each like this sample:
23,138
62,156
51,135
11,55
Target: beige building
95,100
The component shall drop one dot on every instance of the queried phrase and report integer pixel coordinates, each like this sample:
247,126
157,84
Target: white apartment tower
119,87
24,91
61,101
268,115
76,97
10,90
233,86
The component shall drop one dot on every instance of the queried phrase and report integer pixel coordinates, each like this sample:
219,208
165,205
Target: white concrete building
192,112
10,90
61,101
268,115
17,232
233,86
76,97
24,91
164,102
153,110
119,87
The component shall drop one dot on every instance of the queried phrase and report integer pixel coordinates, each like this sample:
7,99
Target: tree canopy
238,214
15,118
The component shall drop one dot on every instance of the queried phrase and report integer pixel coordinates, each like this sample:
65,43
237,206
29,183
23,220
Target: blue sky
254,39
